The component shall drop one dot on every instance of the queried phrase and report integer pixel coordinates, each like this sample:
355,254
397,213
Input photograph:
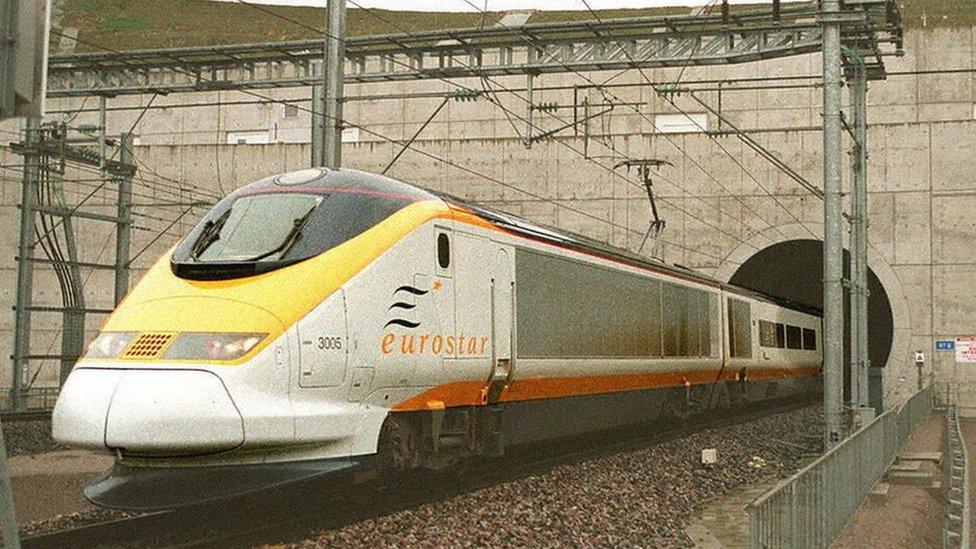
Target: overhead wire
432,157
529,41
504,109
574,149
160,183
165,231
77,206
48,237
701,168
721,147
182,186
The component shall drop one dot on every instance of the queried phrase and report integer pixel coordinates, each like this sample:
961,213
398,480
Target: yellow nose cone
199,313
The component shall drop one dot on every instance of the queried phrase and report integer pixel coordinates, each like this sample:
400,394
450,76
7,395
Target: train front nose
164,376
150,412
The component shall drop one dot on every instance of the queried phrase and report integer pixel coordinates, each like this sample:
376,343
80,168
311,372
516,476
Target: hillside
138,24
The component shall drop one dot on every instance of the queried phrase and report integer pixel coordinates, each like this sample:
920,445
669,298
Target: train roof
366,182
578,242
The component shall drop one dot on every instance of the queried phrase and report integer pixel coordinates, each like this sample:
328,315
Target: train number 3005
330,343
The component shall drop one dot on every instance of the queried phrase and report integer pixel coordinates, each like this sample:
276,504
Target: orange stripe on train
470,393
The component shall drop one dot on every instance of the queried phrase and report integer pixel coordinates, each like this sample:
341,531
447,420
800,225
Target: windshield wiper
290,239
209,235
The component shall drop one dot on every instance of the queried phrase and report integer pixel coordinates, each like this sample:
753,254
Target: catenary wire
446,162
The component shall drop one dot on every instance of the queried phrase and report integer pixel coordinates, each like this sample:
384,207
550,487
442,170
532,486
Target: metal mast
859,241
833,302
123,228
327,98
25,252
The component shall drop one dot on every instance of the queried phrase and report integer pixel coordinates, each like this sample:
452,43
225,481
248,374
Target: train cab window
285,219
740,329
793,337
443,251
809,339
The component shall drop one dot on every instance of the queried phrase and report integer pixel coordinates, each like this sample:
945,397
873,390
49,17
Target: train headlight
212,346
110,344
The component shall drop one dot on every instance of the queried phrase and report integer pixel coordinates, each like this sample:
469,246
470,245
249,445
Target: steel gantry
612,44
47,221
865,30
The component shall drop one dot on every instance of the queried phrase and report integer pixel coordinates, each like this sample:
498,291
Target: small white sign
681,123
966,350
919,357
248,138
350,135
709,456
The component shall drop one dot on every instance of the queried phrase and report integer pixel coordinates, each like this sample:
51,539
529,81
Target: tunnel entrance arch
787,262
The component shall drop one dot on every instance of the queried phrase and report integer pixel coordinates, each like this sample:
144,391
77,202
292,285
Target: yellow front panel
266,303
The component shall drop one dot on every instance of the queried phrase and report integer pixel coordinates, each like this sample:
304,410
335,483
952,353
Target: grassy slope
136,24
939,13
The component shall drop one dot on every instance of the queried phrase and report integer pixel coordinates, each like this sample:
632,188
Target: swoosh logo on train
410,290
402,322
401,305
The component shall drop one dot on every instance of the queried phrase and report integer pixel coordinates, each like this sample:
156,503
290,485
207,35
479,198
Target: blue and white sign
945,345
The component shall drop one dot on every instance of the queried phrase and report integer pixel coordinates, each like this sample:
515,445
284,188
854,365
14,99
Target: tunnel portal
793,270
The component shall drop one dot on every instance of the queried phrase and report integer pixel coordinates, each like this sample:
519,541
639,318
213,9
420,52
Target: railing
956,532
810,508
34,399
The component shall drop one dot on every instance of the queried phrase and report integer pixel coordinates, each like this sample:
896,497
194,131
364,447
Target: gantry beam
613,44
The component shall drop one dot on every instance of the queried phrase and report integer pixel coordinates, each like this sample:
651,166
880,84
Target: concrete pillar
833,322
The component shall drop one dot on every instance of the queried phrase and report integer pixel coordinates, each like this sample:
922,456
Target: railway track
294,512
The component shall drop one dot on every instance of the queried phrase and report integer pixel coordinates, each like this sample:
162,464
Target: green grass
138,24
938,13
125,23
89,6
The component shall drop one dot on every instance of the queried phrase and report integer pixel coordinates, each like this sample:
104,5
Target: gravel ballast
634,498
25,437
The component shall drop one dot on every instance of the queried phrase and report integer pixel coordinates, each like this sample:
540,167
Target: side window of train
767,334
793,337
443,251
809,339
740,329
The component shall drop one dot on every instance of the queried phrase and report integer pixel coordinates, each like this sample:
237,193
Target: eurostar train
319,320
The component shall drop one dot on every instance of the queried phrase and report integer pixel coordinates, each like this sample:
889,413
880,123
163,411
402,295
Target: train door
470,346
323,347
502,324
739,328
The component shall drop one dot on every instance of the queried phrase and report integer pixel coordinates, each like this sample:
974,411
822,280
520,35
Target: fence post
815,504
794,519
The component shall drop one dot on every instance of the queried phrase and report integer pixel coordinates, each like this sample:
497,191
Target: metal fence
957,506
810,508
33,399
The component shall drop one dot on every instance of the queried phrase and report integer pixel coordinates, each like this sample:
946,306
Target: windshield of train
251,233
255,228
